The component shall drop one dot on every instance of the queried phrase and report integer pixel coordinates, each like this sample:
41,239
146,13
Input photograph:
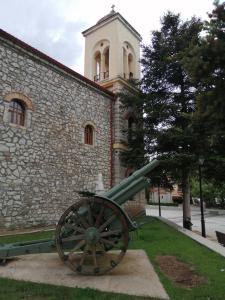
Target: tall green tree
132,103
206,65
168,101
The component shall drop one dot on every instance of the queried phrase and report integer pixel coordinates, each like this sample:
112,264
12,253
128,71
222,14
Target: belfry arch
106,63
97,65
100,63
131,69
128,61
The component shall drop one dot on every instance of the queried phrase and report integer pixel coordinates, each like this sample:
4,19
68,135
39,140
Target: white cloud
55,26
40,24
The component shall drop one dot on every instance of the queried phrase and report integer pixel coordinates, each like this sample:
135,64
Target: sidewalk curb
165,207
214,246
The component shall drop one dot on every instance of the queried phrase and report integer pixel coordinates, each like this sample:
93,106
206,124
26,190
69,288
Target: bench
221,238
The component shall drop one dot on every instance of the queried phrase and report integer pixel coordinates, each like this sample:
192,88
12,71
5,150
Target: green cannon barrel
131,185
118,194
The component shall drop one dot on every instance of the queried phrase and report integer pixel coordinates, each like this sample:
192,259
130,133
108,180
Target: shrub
178,200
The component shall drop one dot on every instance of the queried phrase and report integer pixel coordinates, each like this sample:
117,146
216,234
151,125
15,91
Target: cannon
92,235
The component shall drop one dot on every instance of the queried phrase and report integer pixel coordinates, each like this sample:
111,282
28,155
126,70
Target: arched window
128,61
129,171
125,66
89,135
130,66
106,63
17,112
97,67
131,123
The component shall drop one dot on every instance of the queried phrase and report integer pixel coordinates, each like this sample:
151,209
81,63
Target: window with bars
17,112
89,135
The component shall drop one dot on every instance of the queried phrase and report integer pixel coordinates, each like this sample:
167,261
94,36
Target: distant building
166,195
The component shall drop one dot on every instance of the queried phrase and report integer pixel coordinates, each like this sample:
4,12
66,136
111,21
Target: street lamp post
201,162
159,200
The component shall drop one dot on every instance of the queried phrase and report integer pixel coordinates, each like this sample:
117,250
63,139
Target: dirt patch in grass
180,273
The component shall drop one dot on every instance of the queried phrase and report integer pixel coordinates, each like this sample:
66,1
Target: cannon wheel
92,236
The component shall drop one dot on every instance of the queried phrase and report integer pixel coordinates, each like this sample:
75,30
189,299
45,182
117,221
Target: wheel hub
92,235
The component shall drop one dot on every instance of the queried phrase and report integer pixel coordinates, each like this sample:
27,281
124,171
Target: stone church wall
44,163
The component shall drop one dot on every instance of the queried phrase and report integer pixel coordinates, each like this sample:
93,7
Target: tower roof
109,18
112,13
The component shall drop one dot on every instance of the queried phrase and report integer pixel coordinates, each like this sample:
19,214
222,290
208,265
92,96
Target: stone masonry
44,163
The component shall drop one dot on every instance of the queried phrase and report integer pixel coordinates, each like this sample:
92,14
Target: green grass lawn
156,238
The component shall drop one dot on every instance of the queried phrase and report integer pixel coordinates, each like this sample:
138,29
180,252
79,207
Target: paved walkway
214,218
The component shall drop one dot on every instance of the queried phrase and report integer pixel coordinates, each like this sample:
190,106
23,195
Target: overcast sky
54,26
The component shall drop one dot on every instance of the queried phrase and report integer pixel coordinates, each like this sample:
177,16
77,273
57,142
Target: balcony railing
101,76
106,75
97,78
128,76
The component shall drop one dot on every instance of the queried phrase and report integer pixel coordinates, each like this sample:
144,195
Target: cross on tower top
113,6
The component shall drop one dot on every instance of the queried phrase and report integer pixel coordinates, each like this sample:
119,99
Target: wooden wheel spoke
84,254
108,242
109,221
90,216
97,223
73,238
74,227
82,220
102,247
94,256
78,246
110,233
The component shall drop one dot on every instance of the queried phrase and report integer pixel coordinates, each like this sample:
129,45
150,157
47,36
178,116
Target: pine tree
206,64
132,103
168,101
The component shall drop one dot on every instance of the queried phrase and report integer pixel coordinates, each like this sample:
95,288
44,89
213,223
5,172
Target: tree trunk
186,201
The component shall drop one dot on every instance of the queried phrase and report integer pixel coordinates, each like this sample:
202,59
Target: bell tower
112,50
112,55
